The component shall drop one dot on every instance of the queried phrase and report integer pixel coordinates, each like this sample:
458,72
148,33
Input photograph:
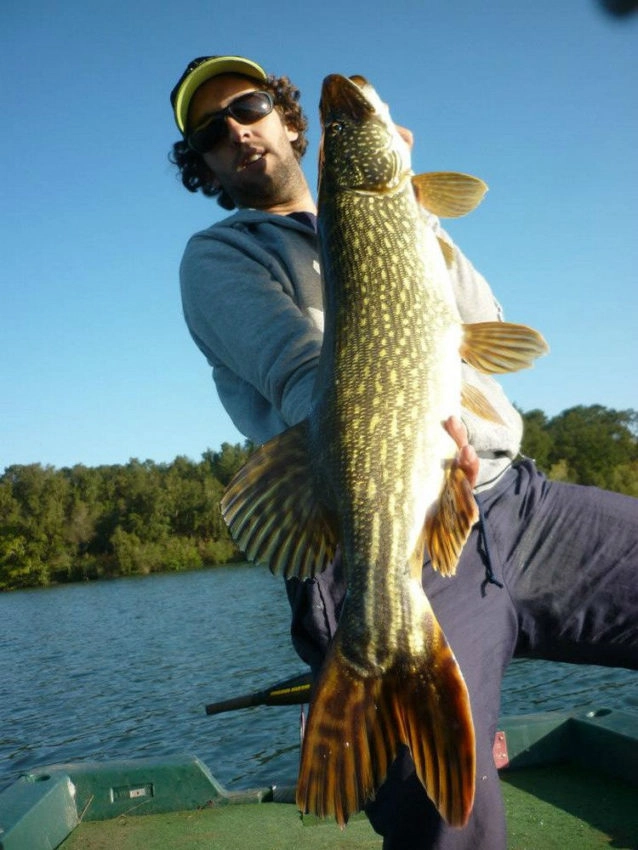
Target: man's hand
466,459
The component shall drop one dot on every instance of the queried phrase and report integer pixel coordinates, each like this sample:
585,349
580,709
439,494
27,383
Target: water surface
124,668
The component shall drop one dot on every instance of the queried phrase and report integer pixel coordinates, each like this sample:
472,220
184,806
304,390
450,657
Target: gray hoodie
251,293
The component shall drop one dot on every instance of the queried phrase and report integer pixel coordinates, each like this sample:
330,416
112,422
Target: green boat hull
569,780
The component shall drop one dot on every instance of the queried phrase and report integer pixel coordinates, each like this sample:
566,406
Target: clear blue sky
537,97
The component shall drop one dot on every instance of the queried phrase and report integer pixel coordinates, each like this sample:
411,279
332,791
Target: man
550,569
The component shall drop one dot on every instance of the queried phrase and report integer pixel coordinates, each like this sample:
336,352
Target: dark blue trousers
550,571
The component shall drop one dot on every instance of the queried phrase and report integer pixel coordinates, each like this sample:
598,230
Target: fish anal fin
357,724
450,521
418,556
449,194
476,402
498,347
271,510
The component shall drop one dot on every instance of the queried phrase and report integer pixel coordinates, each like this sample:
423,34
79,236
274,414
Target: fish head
361,148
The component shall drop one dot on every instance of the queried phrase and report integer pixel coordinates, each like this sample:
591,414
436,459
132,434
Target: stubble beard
280,186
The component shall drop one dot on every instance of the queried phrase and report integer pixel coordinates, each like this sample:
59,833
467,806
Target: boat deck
557,808
570,782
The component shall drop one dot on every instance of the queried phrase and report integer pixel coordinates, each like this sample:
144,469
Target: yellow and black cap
202,69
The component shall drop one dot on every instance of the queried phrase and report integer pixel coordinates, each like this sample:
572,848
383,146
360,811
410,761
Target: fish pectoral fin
476,402
272,513
449,523
357,724
449,194
497,347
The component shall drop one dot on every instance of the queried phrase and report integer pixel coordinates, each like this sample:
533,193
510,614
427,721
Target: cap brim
212,67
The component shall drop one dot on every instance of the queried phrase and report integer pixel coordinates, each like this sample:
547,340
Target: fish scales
369,473
388,329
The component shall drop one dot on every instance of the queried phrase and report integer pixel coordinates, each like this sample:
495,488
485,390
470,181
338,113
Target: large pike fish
371,469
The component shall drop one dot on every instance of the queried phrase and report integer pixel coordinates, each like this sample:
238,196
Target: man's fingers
466,459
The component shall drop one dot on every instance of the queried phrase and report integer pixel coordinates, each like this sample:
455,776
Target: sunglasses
247,109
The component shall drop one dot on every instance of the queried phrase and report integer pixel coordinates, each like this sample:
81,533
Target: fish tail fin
357,724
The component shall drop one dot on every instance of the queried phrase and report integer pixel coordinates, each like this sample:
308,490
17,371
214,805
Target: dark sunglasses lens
251,108
205,139
247,110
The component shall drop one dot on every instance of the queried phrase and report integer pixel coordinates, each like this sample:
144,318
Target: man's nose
236,131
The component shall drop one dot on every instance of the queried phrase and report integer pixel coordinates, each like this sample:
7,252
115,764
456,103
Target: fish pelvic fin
498,347
476,402
449,523
448,194
271,510
447,250
357,724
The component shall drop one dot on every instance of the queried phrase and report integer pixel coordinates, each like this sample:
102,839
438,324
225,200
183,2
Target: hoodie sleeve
474,297
239,307
496,444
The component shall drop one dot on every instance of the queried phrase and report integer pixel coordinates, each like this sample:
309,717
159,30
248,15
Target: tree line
79,523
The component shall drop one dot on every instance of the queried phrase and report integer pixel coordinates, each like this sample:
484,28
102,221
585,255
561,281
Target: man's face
253,163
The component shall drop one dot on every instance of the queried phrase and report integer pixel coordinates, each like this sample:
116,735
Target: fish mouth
343,97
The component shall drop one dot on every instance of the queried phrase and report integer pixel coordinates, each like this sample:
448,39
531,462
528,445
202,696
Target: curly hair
195,174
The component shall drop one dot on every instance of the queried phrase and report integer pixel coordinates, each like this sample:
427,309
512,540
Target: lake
124,668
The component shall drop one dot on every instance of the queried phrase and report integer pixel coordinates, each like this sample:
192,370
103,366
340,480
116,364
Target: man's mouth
249,159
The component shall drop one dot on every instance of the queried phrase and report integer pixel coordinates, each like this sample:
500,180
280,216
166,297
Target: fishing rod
292,691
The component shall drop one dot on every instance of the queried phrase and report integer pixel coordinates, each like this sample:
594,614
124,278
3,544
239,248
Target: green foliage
586,445
537,443
226,462
84,523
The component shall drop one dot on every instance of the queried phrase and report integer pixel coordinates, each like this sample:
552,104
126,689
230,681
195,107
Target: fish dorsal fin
448,194
498,347
272,513
476,402
449,523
